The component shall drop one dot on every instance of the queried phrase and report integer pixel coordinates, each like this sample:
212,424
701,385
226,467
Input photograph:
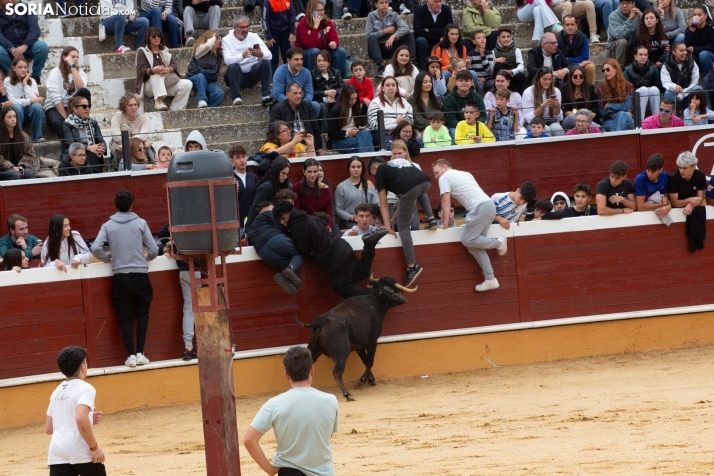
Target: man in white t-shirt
462,187
73,449
303,420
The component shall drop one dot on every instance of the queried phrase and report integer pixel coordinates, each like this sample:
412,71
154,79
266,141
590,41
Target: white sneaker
123,49
142,360
299,17
556,28
346,15
159,105
131,361
190,41
594,39
487,285
404,10
202,103
237,102
503,247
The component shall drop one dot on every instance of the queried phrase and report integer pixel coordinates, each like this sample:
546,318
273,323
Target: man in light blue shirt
303,420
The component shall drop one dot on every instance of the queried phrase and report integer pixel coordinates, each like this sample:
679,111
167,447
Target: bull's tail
310,325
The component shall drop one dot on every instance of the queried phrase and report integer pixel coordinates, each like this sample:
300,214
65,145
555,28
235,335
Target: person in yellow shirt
470,131
280,139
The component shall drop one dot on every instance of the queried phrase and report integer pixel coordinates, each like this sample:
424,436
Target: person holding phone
346,126
543,100
73,449
316,32
699,38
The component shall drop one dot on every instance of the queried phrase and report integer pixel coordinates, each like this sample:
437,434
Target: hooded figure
195,138
561,194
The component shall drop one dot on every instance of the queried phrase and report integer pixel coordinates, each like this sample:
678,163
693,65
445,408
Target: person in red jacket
316,32
362,84
312,195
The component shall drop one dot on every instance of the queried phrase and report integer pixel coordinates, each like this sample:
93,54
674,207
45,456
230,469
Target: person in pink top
665,118
583,124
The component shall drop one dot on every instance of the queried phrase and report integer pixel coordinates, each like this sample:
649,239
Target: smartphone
314,14
554,96
256,46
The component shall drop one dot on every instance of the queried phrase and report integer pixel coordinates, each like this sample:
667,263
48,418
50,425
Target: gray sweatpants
205,21
404,218
474,238
188,317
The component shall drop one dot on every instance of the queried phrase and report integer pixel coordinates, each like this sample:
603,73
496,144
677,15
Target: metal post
382,130
126,150
638,113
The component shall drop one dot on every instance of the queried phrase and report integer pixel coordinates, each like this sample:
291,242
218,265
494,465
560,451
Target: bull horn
405,289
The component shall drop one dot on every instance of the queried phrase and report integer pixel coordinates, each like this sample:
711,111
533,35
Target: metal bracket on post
382,130
126,150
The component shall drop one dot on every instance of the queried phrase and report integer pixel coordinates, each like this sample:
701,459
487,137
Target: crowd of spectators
438,66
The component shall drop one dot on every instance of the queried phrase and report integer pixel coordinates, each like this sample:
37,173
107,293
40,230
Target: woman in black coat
79,127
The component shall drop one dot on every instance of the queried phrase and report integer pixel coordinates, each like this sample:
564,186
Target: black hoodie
312,238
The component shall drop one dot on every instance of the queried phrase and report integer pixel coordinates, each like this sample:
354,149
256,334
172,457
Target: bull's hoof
361,382
350,398
372,382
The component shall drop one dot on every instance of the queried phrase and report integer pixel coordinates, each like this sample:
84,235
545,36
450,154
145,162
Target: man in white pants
455,184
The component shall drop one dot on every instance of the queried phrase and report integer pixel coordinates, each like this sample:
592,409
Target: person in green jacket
436,135
456,100
480,17
19,238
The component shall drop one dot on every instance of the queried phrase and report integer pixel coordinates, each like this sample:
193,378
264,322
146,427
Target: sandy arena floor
627,414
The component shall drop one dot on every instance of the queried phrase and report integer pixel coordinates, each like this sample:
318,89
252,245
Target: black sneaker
380,69
267,101
372,238
189,354
412,274
283,282
432,223
290,275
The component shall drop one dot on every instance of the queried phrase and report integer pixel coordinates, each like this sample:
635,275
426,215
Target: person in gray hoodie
127,235
194,141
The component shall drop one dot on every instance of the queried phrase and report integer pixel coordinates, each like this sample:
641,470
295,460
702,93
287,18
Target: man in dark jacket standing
298,114
19,37
549,55
430,20
312,238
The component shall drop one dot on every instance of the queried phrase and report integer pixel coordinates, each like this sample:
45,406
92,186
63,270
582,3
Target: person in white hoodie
395,107
247,65
63,82
22,90
119,17
127,235
64,246
560,201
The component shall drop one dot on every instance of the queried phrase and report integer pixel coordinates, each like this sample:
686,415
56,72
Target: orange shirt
445,57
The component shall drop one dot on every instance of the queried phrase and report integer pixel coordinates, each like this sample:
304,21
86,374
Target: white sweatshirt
20,94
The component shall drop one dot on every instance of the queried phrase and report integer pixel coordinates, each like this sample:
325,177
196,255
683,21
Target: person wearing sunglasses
615,95
577,94
139,160
666,117
79,127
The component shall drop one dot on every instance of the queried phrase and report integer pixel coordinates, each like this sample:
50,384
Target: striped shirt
482,65
506,208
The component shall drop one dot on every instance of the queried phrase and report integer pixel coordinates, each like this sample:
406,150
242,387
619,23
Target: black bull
355,324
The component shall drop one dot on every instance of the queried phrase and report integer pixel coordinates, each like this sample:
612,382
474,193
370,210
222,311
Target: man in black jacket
548,54
430,20
330,250
298,114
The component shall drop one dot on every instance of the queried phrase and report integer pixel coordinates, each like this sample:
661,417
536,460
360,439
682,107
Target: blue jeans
280,252
619,122
685,100
170,25
362,142
10,174
117,25
212,93
603,8
33,114
261,73
37,53
338,55
705,59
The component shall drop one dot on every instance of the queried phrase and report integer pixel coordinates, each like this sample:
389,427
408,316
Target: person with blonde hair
138,156
203,69
615,95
